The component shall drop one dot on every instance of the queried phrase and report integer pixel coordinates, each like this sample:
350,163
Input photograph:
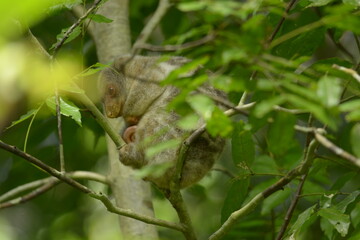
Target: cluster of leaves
287,72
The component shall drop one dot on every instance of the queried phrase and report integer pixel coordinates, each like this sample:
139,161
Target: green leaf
29,114
314,108
302,219
264,164
274,200
154,170
153,150
281,133
266,106
189,122
341,206
185,69
234,198
355,139
353,116
329,91
99,18
74,34
92,69
243,147
67,108
319,3
191,6
219,124
350,105
201,104
338,220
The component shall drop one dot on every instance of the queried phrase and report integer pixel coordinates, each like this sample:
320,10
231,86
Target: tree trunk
112,40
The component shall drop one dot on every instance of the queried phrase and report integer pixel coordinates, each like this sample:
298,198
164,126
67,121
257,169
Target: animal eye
111,91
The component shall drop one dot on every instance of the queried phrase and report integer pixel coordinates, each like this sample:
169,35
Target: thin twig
291,209
349,71
74,26
171,48
282,20
250,206
59,129
175,198
104,199
37,192
35,184
161,10
337,150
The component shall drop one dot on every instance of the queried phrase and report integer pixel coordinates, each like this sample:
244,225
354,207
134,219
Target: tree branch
59,44
291,209
38,183
172,48
349,71
245,210
104,199
161,10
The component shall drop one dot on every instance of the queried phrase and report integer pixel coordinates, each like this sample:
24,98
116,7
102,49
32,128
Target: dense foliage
295,136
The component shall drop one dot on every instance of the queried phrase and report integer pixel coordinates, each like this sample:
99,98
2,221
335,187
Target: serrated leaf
302,219
29,114
329,91
67,108
100,18
234,198
341,206
153,150
264,164
340,221
243,147
355,139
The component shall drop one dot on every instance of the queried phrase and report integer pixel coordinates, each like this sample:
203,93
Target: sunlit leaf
191,6
202,104
67,108
219,124
329,91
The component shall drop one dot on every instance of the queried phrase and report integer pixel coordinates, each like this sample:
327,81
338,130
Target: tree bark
112,40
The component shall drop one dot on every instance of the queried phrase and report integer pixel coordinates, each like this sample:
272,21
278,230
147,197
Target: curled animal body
131,89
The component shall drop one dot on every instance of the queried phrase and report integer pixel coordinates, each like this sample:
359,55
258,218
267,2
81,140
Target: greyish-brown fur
130,89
